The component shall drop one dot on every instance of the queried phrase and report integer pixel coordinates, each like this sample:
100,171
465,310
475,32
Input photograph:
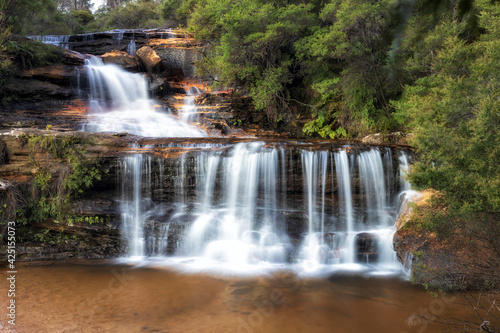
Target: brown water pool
104,297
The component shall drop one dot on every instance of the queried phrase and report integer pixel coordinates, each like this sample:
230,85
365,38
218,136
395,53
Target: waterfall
189,111
131,48
131,205
119,102
373,186
345,196
252,203
404,167
56,40
239,228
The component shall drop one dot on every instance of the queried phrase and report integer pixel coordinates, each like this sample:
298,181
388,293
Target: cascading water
131,48
251,204
189,111
131,205
119,102
345,196
56,40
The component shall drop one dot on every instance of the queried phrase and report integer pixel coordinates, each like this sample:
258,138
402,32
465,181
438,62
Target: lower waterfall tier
249,203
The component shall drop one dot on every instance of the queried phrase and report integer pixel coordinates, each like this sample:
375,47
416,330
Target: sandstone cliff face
169,55
467,258
49,81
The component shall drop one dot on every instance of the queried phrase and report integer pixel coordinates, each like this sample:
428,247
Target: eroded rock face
397,138
60,74
101,44
179,60
73,58
459,261
151,61
31,88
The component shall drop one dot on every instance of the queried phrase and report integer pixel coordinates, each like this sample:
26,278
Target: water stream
119,102
189,111
250,205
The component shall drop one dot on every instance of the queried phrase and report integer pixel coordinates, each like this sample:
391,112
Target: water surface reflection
120,298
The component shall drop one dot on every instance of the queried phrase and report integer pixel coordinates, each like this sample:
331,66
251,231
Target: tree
70,5
346,65
21,13
136,15
455,118
252,46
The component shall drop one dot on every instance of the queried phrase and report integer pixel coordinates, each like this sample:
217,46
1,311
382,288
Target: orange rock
122,59
150,59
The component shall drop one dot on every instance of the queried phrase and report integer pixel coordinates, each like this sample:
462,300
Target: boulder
72,58
396,138
150,59
122,59
179,60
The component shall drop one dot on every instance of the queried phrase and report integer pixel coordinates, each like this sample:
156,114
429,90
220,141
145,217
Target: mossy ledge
48,181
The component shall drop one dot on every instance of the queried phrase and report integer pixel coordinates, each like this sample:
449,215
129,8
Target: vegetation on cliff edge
61,173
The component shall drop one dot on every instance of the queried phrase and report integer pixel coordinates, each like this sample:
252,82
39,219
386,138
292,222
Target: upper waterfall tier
119,102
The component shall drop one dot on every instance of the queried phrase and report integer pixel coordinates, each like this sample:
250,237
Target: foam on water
119,102
244,227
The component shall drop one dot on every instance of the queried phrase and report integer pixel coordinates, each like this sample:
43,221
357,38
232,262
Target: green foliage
5,33
75,219
78,20
177,12
454,113
323,128
136,15
22,13
50,237
62,172
252,44
54,187
30,53
346,65
435,218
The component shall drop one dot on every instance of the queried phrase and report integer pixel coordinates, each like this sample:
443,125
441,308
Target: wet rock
178,60
73,58
97,206
19,123
158,85
367,247
122,59
150,59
